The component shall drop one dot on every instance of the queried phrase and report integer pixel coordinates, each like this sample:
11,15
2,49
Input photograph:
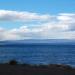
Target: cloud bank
6,15
60,26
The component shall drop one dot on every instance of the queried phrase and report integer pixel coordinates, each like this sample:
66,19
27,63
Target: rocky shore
13,68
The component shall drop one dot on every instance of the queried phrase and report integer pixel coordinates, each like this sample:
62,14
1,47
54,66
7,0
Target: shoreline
13,68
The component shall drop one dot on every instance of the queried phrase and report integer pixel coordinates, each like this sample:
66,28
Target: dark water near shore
38,54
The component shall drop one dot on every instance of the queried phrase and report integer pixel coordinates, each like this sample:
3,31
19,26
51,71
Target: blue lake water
39,53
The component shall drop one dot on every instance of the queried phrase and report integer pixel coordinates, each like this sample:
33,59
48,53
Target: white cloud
6,15
67,19
41,32
61,26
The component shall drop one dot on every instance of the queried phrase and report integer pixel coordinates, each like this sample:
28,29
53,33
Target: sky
37,19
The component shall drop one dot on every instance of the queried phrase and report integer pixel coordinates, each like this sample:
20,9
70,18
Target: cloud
60,26
67,19
45,31
6,15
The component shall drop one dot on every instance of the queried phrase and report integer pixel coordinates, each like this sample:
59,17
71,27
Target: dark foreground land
13,68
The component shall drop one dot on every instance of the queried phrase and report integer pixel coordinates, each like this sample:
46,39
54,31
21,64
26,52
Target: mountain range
38,41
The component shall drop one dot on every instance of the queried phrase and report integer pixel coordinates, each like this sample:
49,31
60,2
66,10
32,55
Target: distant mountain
38,41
